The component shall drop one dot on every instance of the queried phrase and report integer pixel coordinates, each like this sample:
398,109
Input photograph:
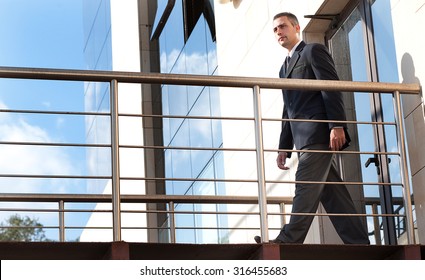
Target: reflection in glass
196,56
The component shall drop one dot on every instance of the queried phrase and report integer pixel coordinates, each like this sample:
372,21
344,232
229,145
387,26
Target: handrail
211,199
204,80
255,83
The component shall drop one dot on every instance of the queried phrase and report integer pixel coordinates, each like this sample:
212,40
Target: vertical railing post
283,216
376,226
61,221
410,230
262,194
172,222
115,157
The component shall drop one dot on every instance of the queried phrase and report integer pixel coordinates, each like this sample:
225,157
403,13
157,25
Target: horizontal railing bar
252,119
58,144
88,227
44,112
253,150
270,213
154,227
38,210
52,176
215,228
335,214
335,183
128,211
185,117
33,227
26,197
197,212
188,117
204,80
192,212
128,227
254,181
166,228
187,148
99,198
140,228
327,121
333,152
54,210
162,211
190,179
41,197
95,198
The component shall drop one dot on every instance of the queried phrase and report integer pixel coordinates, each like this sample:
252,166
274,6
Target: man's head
286,29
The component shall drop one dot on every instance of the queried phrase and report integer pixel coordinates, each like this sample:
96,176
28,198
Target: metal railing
256,84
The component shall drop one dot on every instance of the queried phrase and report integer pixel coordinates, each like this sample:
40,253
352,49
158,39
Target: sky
41,34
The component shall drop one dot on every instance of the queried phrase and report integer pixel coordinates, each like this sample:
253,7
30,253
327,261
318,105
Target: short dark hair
292,18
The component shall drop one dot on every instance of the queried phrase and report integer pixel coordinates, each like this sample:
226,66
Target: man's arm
324,69
285,141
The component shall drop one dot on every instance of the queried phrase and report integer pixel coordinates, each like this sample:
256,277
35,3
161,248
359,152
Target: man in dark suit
313,61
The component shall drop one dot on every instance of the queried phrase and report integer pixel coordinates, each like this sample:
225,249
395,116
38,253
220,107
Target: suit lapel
294,59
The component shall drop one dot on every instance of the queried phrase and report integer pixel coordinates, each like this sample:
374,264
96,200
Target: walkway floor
161,251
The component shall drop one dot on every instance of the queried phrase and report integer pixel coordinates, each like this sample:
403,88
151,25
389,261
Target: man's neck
292,50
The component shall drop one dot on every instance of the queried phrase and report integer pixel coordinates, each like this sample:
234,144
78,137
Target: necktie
287,59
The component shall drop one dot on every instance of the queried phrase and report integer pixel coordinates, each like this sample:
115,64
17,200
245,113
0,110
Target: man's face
285,33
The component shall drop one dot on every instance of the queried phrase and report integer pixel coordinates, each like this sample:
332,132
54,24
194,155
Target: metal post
115,157
376,226
61,221
262,194
283,212
404,170
172,222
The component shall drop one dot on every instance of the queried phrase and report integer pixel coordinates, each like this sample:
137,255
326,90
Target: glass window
193,52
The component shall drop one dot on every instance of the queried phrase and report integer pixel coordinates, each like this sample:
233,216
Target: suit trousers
335,198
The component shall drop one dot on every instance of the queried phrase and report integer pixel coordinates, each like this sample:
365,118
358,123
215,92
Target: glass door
363,49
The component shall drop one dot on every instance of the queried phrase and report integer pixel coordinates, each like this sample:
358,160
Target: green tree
17,228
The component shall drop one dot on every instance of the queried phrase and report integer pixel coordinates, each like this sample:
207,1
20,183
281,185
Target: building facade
112,43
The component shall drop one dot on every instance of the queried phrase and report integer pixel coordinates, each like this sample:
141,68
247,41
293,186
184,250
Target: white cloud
33,160
46,104
193,63
27,159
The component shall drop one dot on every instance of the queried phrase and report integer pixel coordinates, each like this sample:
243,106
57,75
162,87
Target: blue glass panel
174,34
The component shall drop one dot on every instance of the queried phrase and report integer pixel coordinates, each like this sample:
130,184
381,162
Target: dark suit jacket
310,61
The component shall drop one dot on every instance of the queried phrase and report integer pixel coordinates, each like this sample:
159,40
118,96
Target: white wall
408,22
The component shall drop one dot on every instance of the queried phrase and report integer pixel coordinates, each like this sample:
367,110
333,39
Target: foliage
17,228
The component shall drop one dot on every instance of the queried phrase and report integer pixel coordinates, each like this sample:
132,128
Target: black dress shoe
276,241
257,239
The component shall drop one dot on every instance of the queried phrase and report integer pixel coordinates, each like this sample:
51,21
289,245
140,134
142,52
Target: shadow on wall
409,77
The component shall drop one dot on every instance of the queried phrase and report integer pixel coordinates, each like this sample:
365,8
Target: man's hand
337,138
281,161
